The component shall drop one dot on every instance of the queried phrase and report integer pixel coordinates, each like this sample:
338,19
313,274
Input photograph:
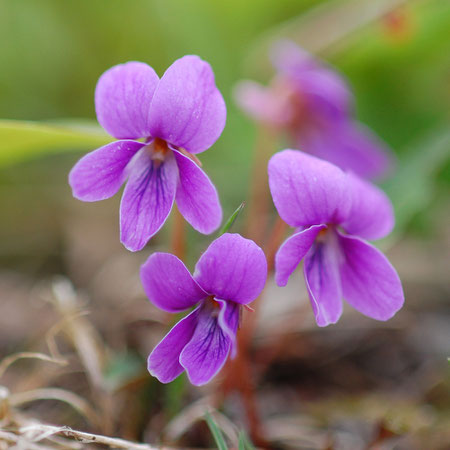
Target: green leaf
173,396
20,140
229,223
122,368
412,188
215,431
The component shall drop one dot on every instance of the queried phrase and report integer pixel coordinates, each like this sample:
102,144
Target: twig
39,431
77,403
56,328
81,332
20,441
6,362
88,346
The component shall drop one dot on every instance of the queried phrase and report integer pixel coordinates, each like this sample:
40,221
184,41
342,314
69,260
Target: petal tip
323,320
280,279
154,372
132,245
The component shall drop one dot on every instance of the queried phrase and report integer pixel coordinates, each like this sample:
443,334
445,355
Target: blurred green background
395,54
398,63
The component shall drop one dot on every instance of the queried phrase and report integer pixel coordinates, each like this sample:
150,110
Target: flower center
324,234
212,305
158,150
213,302
294,102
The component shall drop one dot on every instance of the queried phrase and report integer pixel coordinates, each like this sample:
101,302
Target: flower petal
228,319
327,95
147,199
196,196
321,272
324,90
371,215
168,283
207,351
288,57
99,174
369,282
122,99
262,104
350,146
232,268
292,251
188,110
163,362
306,190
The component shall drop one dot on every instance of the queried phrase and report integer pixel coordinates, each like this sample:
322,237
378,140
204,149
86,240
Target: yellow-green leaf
21,140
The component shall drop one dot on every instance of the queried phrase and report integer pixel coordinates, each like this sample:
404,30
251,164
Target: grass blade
229,223
244,442
215,431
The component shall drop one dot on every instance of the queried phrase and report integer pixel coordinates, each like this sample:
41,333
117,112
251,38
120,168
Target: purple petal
168,283
99,174
188,110
207,351
163,362
229,321
306,190
288,57
232,268
196,196
263,104
369,282
325,92
350,146
321,272
371,215
122,99
147,199
292,251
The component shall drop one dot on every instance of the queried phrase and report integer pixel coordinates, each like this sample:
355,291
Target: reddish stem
178,237
238,372
259,195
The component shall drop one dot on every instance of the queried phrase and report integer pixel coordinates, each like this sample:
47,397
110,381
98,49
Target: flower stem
273,243
178,234
239,373
259,195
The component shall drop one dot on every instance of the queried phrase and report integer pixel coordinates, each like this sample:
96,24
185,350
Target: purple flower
334,212
177,116
314,105
232,272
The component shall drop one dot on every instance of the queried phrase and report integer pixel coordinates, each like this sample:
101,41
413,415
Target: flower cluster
314,105
162,123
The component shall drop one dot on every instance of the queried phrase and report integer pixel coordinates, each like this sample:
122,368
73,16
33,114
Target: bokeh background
68,286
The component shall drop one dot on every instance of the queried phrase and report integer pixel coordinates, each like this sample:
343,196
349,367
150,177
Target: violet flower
177,116
334,212
231,273
314,105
